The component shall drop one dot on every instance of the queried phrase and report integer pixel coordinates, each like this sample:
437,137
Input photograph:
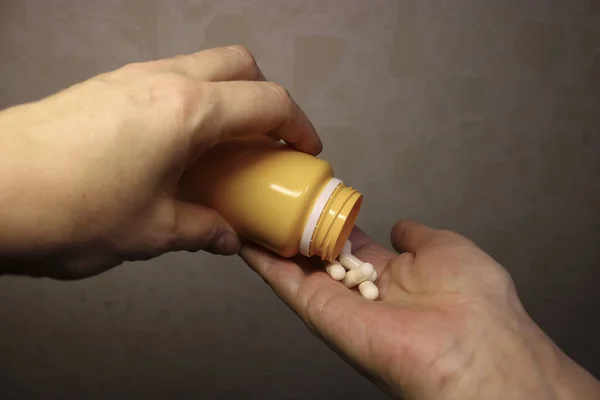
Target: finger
255,108
338,315
285,276
201,228
231,63
295,281
366,249
414,237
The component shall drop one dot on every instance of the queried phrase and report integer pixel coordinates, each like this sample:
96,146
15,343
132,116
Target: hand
88,176
449,324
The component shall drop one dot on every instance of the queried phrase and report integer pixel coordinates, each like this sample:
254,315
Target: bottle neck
331,221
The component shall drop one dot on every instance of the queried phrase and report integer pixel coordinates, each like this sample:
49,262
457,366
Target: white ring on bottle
315,215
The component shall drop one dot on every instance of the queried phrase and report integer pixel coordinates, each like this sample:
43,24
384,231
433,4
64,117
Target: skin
88,180
91,176
448,325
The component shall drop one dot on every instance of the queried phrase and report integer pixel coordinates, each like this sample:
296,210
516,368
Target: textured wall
479,116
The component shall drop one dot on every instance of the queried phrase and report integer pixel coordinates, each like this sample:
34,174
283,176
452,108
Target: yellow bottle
282,199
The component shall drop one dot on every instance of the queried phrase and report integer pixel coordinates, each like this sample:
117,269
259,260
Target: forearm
38,234
567,379
503,356
32,222
526,364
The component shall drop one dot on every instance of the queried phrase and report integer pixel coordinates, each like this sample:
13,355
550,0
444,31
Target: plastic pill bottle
284,200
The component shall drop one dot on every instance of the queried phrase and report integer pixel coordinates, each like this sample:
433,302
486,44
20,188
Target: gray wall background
478,116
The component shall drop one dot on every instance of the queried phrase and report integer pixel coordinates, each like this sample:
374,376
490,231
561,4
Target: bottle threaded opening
336,222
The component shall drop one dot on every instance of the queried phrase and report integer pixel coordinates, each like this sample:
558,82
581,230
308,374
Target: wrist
567,379
516,359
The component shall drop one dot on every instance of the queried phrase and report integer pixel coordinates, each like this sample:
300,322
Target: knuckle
176,93
243,53
183,90
136,67
245,60
503,276
282,93
167,235
209,239
204,236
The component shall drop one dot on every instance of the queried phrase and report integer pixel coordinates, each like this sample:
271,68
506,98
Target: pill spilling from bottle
353,272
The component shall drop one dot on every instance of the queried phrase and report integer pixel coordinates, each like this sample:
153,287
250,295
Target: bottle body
268,193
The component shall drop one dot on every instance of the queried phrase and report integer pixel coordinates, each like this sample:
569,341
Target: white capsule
368,290
336,271
349,261
358,275
347,249
373,276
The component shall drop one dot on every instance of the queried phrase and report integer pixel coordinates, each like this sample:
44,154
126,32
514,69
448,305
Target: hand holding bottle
449,324
88,176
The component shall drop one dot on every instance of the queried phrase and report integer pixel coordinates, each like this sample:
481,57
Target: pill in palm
358,275
349,261
368,290
347,249
336,271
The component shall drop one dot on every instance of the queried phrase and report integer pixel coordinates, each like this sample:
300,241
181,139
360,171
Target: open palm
442,302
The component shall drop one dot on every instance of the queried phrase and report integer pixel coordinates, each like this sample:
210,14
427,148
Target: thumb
202,228
411,236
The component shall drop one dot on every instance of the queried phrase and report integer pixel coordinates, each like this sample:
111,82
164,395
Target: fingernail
228,243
